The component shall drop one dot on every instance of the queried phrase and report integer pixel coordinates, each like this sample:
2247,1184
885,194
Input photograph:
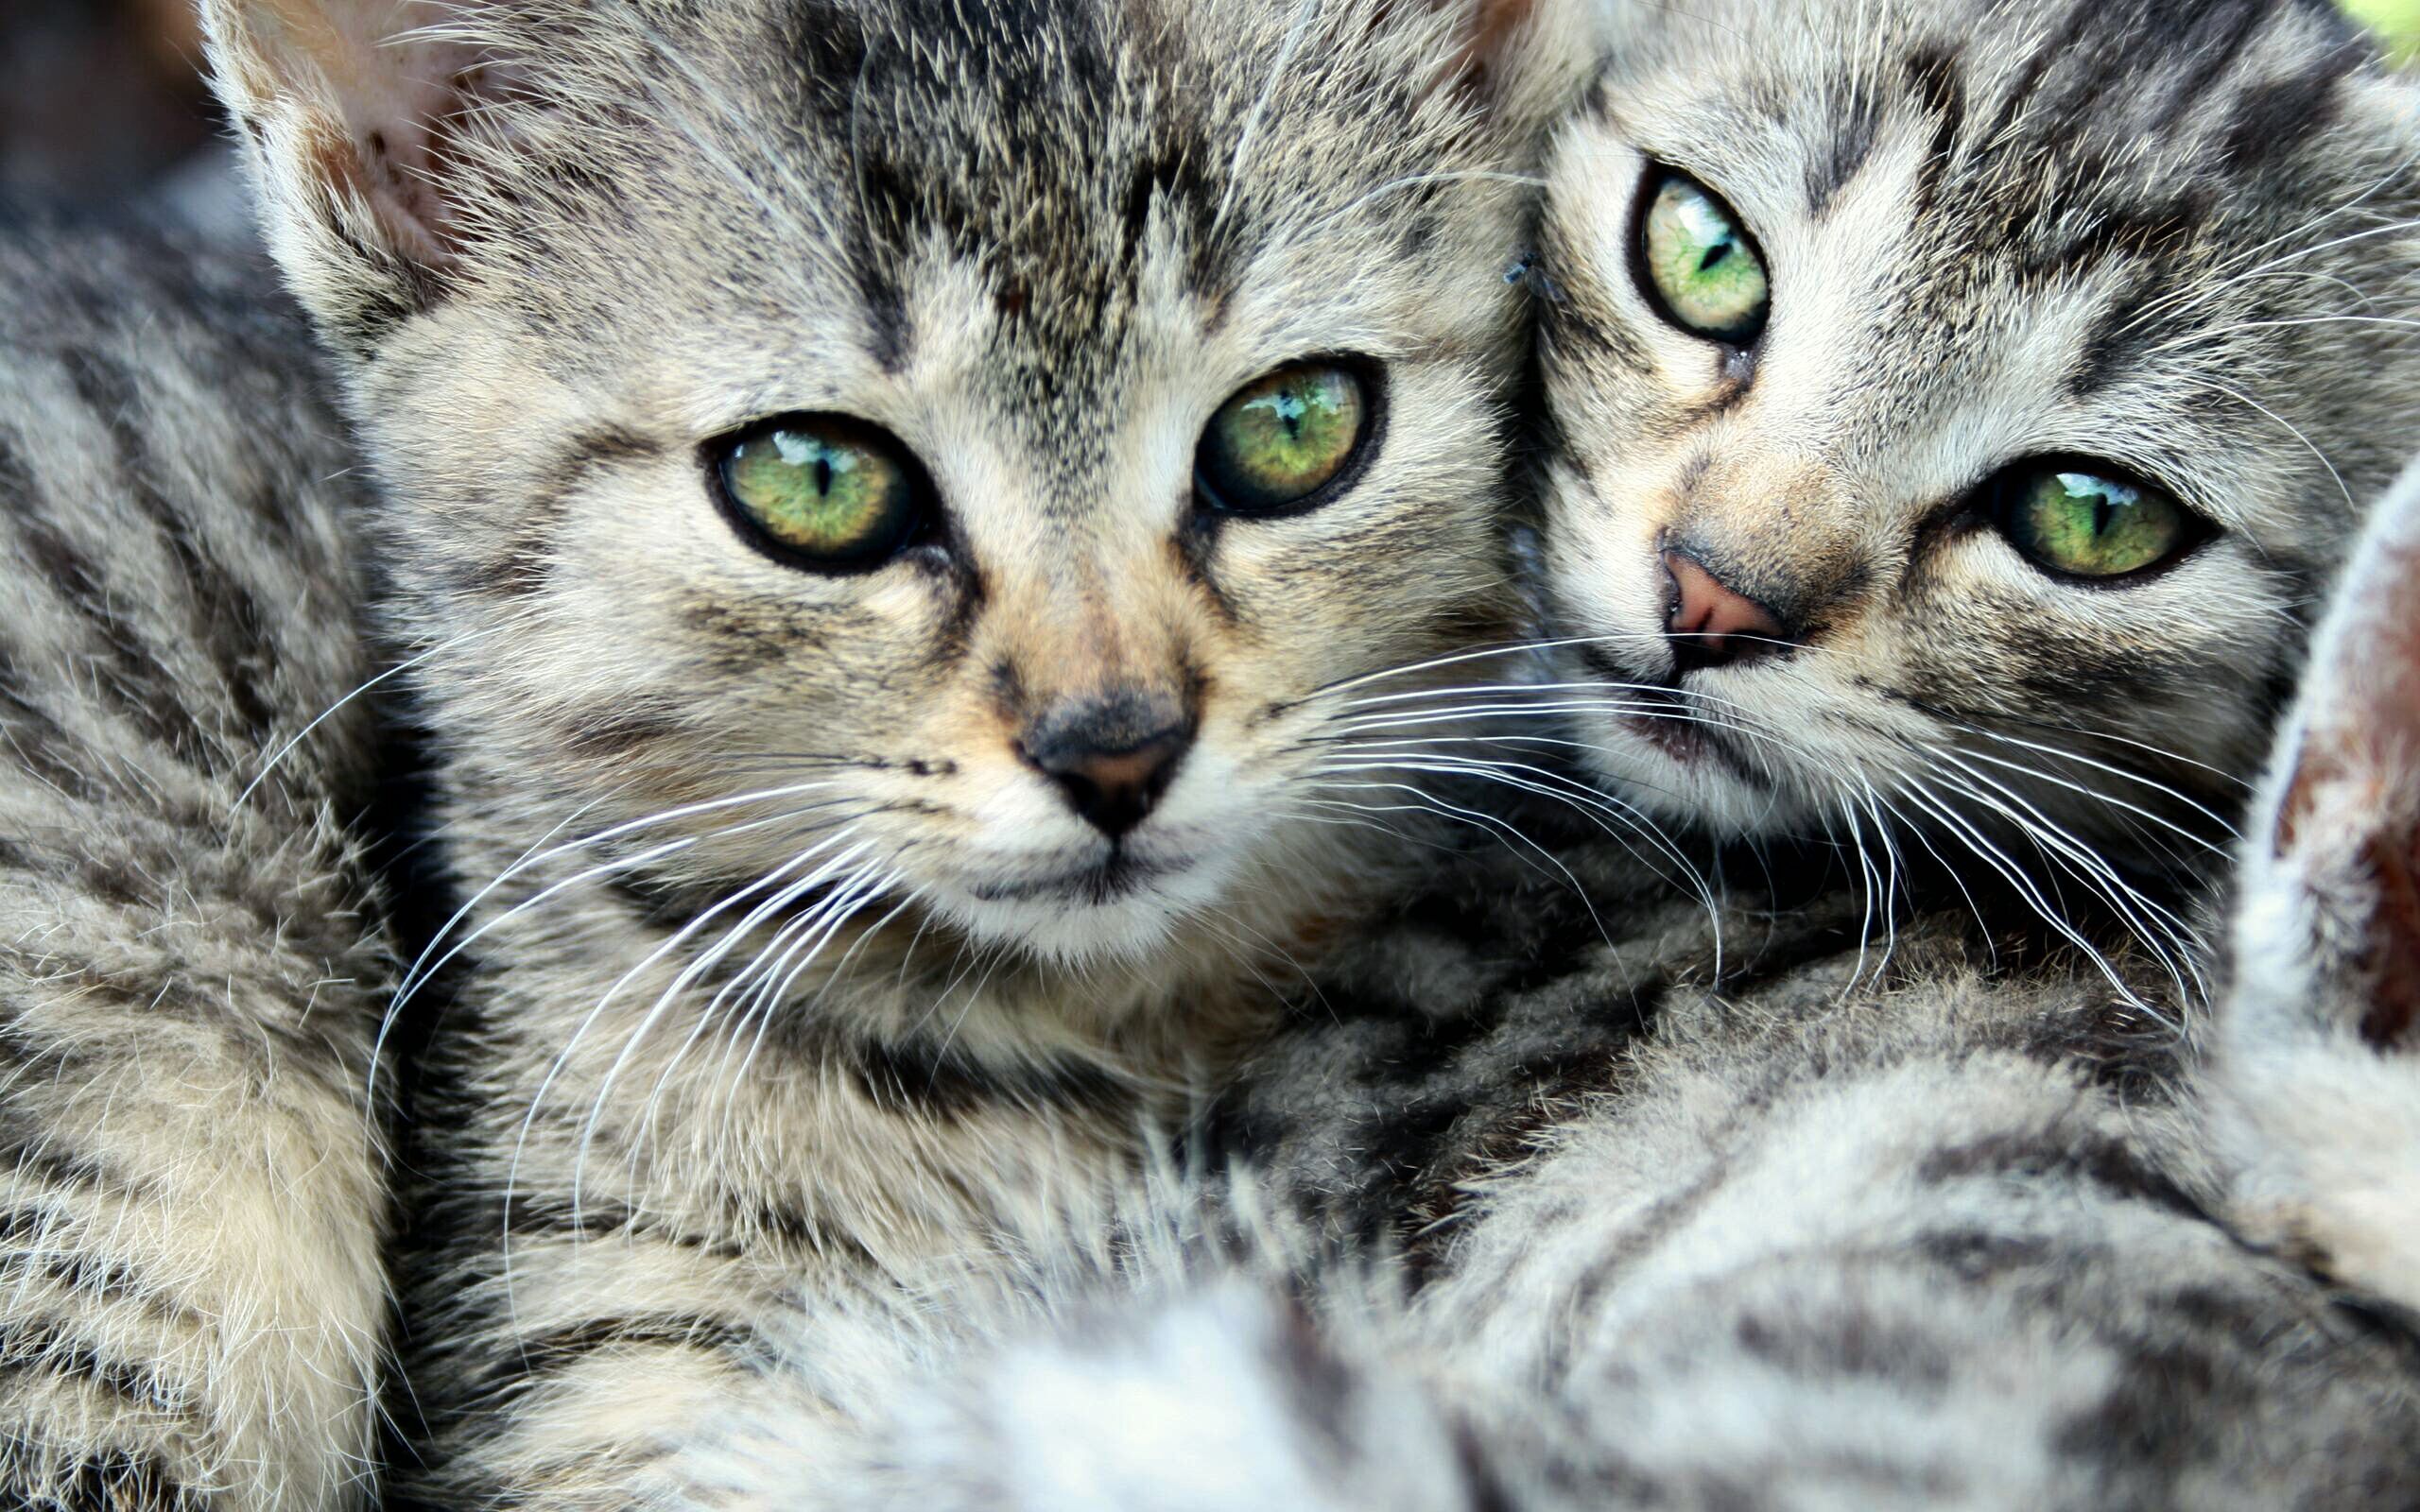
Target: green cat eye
1276,445
835,493
2078,522
1702,268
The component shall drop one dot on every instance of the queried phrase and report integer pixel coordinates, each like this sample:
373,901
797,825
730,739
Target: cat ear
2317,1059
2338,846
355,112
1525,59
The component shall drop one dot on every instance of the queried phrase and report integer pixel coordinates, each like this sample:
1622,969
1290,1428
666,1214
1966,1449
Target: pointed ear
1526,58
355,111
2336,856
2312,1082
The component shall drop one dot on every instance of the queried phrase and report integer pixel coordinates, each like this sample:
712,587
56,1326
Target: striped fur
192,1188
560,248
1779,1228
1755,1208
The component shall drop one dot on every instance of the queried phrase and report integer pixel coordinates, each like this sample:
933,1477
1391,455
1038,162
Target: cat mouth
1667,718
1118,876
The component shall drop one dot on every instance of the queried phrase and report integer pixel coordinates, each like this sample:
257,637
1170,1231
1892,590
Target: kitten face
856,406
1942,394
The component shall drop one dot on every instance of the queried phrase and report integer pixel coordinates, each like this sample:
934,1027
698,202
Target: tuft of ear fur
2316,1066
1525,60
355,113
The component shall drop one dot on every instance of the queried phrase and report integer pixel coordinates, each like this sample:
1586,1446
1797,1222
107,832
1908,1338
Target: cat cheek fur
1960,283
2316,1064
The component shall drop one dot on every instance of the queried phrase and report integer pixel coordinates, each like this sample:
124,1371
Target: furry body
193,1189
786,970
1799,1231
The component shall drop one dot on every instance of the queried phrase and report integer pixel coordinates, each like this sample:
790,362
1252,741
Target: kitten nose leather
1113,760
1711,624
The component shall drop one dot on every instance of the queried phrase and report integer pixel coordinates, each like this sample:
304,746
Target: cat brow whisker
2191,299
1303,13
1415,181
2240,397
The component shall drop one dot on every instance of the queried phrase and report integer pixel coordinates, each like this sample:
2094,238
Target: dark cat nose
1112,758
1711,624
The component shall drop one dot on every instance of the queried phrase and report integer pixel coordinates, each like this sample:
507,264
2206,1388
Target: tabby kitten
1956,408
193,1195
890,502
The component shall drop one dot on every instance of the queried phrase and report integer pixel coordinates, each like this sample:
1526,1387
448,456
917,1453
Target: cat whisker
651,1109
1501,827
2042,824
333,710
2309,445
1526,180
762,1005
2112,801
703,962
1597,807
1977,843
2162,753
2169,939
1509,648
563,1057
422,970
1305,11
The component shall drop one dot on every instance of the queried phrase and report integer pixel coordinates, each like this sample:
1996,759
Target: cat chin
1077,926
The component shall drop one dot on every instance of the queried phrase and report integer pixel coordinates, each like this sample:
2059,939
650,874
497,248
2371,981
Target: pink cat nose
1712,623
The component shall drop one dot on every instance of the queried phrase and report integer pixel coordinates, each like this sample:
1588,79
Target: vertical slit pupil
1713,254
823,473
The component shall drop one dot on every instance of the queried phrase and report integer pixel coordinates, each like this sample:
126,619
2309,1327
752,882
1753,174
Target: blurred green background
2399,19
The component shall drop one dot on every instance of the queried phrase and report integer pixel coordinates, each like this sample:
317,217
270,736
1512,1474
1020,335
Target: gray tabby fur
782,974
1946,1238
193,1195
1805,1217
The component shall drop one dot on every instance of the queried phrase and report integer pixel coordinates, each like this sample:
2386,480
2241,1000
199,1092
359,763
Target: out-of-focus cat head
2317,1058
1958,406
986,430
